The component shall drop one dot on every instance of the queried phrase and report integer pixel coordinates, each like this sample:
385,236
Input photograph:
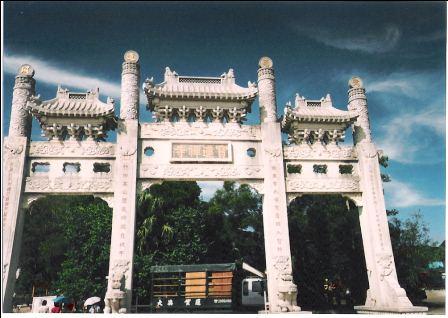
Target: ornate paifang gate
198,135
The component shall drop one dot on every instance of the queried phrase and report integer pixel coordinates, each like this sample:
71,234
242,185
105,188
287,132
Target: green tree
169,230
326,242
175,227
235,226
235,229
413,251
66,246
87,231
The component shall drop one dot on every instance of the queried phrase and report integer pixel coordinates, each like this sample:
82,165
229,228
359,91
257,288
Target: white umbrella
92,300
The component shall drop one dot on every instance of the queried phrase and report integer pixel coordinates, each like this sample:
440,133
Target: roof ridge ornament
316,118
75,114
220,94
300,101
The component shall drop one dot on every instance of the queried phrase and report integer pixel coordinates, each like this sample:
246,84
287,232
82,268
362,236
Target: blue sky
398,49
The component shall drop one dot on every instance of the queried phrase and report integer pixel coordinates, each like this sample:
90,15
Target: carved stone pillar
357,102
282,291
119,290
385,294
15,146
13,173
130,81
20,123
266,91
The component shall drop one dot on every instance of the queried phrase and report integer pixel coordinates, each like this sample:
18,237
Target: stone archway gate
198,135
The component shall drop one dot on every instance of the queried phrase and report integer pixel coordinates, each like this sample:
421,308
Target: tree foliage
66,246
169,230
326,242
175,227
413,251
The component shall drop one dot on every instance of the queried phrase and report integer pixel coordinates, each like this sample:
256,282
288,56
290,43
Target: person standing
43,309
56,309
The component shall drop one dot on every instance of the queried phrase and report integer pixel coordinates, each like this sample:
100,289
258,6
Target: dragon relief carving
385,264
274,152
323,185
199,130
19,115
129,96
13,149
281,264
68,184
367,149
200,171
127,149
319,152
87,148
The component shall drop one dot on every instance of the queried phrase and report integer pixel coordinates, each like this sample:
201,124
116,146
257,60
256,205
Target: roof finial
131,56
26,70
355,82
265,62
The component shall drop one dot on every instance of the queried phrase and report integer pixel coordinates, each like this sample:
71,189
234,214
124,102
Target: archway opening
65,249
177,225
327,253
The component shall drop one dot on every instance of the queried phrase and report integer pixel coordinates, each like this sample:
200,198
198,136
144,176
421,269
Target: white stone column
14,157
119,290
20,123
282,292
385,293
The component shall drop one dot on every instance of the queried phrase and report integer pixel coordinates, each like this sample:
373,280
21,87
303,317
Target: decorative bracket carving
144,184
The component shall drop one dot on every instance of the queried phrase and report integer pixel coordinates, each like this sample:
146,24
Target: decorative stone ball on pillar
266,90
24,88
130,79
357,102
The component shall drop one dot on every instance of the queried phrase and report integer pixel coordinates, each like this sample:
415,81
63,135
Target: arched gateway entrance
198,135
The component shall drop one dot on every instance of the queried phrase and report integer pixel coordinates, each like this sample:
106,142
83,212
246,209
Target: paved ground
435,302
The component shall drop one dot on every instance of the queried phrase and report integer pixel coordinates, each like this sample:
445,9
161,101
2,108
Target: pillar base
391,310
266,312
299,312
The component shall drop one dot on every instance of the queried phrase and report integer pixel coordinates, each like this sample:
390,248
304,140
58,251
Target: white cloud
208,188
401,195
413,85
415,136
52,73
412,126
430,37
378,41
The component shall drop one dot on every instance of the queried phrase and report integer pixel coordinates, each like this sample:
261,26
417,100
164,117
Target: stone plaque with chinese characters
203,152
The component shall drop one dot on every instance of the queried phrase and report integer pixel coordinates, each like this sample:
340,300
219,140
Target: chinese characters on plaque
200,152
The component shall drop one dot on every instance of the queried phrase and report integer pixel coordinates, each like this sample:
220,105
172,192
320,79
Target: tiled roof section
210,88
316,111
71,104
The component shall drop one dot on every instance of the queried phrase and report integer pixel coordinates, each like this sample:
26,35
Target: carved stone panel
203,171
71,149
322,185
199,130
319,152
68,184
